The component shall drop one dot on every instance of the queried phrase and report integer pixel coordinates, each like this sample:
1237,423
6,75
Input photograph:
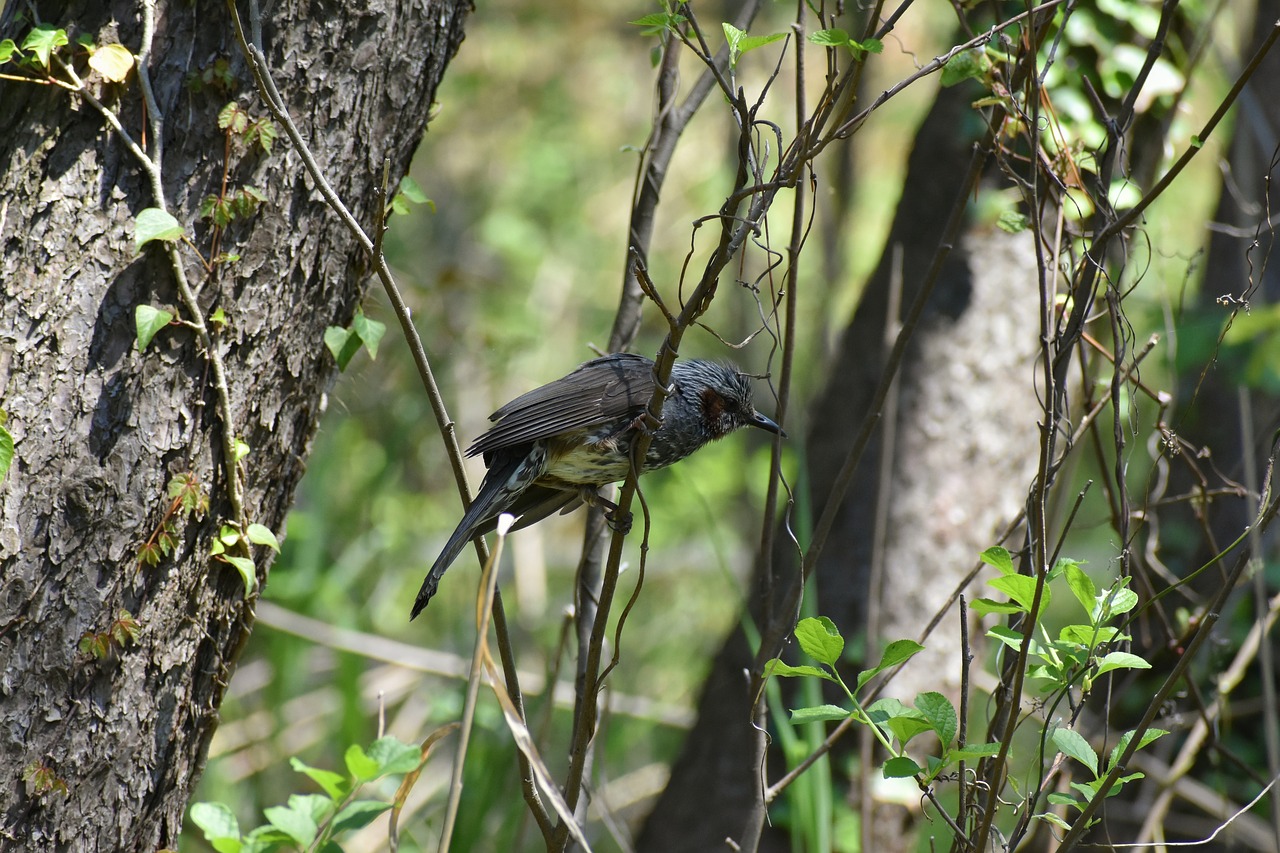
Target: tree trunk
100,751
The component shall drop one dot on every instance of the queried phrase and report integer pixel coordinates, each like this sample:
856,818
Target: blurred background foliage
530,162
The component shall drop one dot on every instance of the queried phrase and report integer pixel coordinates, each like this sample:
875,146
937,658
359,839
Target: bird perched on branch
551,449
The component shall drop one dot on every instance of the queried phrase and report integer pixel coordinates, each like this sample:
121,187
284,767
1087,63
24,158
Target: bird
552,448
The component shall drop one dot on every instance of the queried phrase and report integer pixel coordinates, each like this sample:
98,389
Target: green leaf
941,715
360,765
965,65
6,448
1082,587
248,572
43,41
261,535
1120,660
315,806
901,768
228,535
899,651
1012,222
359,814
987,606
155,224
343,343
112,61
752,42
829,38
333,784
1114,602
299,826
1067,800
820,639
1021,589
241,449
216,821
658,22
819,714
232,117
998,558
370,332
1087,636
394,756
1147,737
7,49
1050,817
147,321
971,751
1011,638
410,189
777,667
1072,744
908,725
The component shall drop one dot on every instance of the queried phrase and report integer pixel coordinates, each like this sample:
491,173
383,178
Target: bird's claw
619,521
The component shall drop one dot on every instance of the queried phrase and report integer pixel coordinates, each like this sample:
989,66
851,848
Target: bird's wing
600,391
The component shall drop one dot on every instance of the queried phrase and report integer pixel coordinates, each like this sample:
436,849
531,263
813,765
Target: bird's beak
759,420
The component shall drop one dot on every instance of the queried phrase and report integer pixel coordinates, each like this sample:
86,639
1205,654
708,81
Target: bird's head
723,395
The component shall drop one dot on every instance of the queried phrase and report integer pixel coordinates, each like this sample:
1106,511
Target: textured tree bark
101,428
964,446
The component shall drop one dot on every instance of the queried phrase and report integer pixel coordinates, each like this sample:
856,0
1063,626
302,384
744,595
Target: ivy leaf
6,447
370,332
155,224
248,572
261,535
147,322
112,61
43,41
343,343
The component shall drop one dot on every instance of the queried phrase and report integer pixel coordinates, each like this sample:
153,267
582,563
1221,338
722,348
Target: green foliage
148,321
316,821
1071,744
155,224
6,446
410,193
229,538
122,631
345,343
42,41
836,37
1078,654
1077,657
739,42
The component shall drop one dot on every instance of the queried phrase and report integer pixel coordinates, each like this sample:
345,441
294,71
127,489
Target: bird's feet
617,519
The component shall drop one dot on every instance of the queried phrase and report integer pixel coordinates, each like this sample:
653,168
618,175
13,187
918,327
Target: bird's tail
496,494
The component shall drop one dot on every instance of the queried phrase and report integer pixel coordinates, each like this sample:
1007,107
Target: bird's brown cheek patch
712,406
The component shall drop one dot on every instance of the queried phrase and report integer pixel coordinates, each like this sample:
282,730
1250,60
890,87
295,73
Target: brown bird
552,448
